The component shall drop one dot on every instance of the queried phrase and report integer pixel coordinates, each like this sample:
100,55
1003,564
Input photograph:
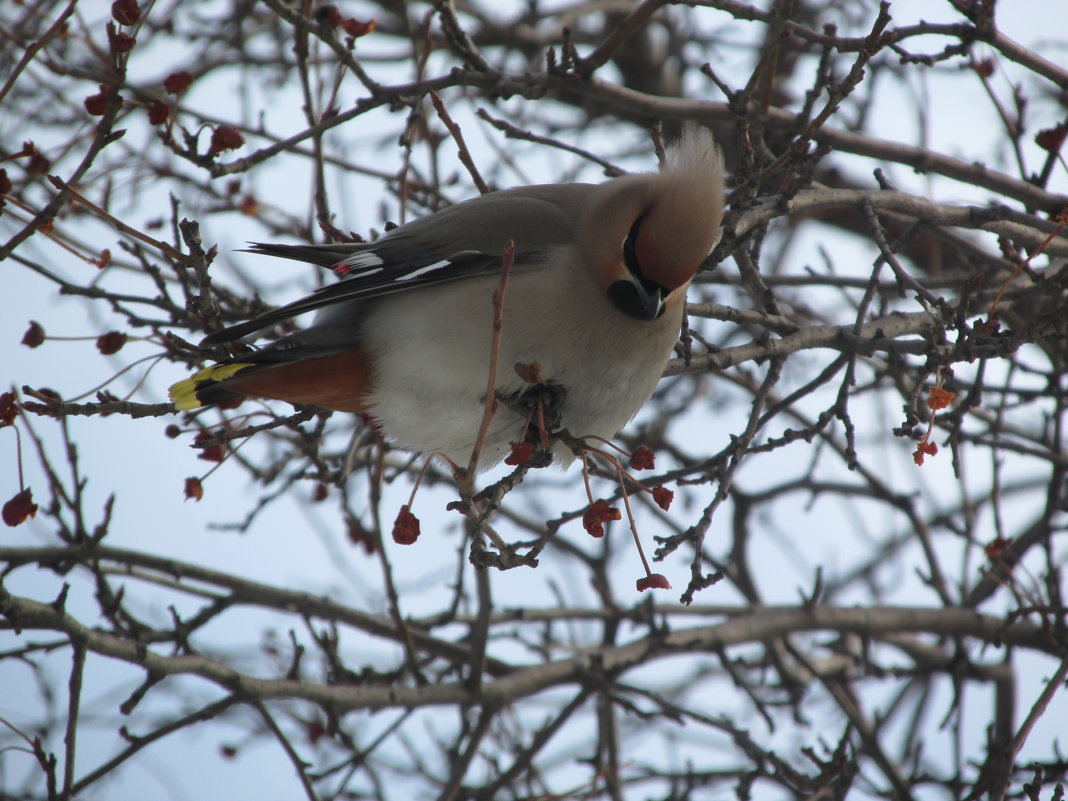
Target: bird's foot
542,407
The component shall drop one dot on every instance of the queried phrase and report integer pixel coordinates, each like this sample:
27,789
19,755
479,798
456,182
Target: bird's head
649,233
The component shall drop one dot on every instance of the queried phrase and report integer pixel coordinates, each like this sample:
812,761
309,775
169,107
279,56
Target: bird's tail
333,378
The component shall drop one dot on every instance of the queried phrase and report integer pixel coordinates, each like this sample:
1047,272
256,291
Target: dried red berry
938,398
1051,139
925,448
111,342
103,260
212,453
9,410
643,458
663,497
193,489
172,431
177,82
34,335
125,12
984,68
358,535
158,112
20,508
97,104
39,163
355,28
521,453
995,548
315,731
121,42
225,137
529,372
654,581
248,206
405,527
596,514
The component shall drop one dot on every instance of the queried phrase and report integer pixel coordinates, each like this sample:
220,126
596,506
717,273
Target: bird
594,301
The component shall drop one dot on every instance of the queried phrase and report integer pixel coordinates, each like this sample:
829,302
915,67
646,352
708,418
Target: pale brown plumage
596,297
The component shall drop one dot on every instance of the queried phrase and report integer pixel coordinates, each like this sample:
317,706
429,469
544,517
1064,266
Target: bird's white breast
430,351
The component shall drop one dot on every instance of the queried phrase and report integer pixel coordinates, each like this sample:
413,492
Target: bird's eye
637,296
630,258
630,254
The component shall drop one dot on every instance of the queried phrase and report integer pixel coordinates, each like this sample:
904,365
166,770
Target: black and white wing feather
448,246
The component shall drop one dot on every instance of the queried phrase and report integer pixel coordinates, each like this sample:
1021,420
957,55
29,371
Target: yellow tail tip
184,393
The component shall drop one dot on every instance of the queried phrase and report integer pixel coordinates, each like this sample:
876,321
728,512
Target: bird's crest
685,210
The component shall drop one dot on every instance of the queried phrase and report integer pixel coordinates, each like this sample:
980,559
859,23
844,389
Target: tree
863,426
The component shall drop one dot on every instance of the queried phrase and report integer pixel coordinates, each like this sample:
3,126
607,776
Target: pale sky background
299,545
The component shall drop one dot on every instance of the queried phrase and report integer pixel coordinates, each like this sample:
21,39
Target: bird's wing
463,241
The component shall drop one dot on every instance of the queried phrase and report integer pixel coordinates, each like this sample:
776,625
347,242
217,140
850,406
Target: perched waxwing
595,298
